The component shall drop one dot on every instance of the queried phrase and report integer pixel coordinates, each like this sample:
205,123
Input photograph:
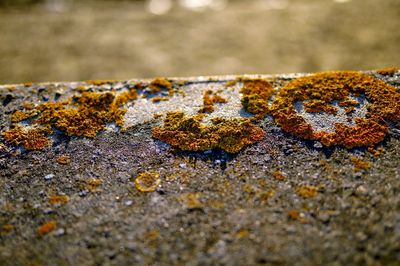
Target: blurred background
66,40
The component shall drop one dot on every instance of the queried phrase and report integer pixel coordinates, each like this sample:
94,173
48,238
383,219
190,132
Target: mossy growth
255,96
189,134
209,99
83,115
318,92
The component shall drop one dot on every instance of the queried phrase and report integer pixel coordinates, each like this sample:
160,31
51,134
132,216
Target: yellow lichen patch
46,228
318,92
58,199
31,138
63,159
19,116
388,71
159,99
147,181
209,99
124,98
188,133
278,175
360,164
160,83
255,95
93,183
192,200
307,191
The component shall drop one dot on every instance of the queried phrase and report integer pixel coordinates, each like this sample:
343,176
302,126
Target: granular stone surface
280,200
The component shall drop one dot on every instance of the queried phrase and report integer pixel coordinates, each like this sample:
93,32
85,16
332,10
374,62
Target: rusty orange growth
63,159
188,133
83,115
46,228
319,91
307,191
255,96
209,99
160,83
31,138
388,71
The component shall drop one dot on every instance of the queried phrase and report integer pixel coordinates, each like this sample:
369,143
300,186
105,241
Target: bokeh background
66,40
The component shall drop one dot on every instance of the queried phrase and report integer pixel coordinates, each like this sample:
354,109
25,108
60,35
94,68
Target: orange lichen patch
46,228
93,183
255,95
307,191
192,200
83,115
209,99
58,199
63,159
19,116
100,82
296,215
359,164
159,99
31,138
317,106
388,71
147,181
188,133
231,83
322,89
278,175
160,83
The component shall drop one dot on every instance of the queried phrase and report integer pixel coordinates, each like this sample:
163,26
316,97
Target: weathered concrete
280,201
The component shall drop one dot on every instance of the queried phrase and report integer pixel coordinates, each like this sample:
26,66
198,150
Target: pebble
59,232
128,202
48,177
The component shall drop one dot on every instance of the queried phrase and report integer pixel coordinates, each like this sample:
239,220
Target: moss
188,133
307,191
147,181
320,90
46,228
255,95
209,99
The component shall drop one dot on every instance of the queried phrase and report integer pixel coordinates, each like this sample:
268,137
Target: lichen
255,96
147,181
320,90
188,133
34,138
158,84
83,115
63,159
46,228
209,99
388,71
